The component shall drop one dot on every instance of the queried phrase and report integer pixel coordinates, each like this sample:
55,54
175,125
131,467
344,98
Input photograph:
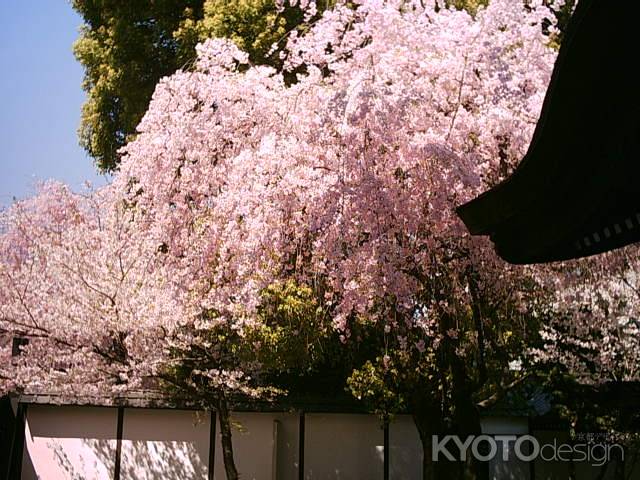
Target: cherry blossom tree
590,347
341,186
76,282
593,329
345,183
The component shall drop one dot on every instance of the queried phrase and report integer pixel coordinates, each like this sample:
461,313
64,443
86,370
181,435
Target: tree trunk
431,413
422,424
467,418
429,421
225,437
429,425
469,421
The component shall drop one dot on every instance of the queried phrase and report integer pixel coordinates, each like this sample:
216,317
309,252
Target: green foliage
377,385
288,339
293,330
470,6
253,25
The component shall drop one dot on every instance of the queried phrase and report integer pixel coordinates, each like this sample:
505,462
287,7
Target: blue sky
40,96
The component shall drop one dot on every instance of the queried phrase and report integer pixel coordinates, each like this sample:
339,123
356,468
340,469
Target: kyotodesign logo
526,448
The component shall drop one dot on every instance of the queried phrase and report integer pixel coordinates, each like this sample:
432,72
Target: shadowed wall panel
164,445
69,443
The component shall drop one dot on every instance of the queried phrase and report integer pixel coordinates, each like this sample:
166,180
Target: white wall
405,449
343,447
69,443
288,435
255,436
512,469
161,444
78,443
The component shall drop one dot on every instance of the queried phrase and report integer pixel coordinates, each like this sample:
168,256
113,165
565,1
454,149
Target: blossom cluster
345,180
